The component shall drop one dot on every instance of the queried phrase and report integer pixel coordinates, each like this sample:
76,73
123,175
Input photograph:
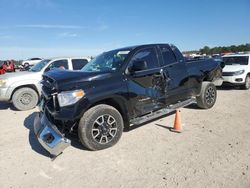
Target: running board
162,112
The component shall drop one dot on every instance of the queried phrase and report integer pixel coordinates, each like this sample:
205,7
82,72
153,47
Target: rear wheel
100,127
25,99
208,95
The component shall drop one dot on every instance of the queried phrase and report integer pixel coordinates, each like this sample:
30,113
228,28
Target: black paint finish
133,94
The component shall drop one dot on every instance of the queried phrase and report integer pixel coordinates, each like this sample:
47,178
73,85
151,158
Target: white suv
31,61
237,70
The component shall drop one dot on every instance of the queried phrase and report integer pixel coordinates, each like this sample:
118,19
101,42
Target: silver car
23,88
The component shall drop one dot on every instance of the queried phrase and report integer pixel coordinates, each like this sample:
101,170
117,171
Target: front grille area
51,105
227,73
48,85
49,93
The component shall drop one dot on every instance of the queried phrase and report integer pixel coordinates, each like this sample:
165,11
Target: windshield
236,60
106,62
39,66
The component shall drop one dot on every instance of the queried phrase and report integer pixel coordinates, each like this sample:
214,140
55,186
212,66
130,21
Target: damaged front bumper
49,136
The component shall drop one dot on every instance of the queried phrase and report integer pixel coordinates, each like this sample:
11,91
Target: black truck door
176,75
145,81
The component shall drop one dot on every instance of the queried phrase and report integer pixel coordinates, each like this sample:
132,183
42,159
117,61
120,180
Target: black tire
208,95
25,99
26,65
94,133
247,83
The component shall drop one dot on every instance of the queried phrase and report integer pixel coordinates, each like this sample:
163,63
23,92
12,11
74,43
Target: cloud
3,36
139,34
47,26
4,27
103,27
45,3
28,4
67,34
101,24
28,52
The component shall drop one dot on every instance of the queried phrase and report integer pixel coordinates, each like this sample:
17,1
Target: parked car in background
25,68
9,66
2,70
23,88
31,61
237,70
217,57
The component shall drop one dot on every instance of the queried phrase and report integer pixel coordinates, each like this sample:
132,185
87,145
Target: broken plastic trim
49,136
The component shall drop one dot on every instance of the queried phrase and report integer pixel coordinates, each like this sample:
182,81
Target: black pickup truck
118,89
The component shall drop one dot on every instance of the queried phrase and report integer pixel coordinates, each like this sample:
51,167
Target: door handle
165,75
159,74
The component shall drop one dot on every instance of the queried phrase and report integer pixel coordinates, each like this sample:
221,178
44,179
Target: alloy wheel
104,129
210,95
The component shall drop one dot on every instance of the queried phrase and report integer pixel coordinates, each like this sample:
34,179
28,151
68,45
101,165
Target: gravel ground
212,151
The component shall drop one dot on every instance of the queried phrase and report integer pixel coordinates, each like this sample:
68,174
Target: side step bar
161,112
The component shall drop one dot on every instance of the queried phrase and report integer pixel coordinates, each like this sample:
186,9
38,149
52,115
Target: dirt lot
212,151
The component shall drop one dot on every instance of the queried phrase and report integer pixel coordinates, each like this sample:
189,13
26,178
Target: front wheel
25,99
208,95
247,83
100,127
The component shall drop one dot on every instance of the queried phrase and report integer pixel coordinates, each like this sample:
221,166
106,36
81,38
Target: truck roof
68,57
139,46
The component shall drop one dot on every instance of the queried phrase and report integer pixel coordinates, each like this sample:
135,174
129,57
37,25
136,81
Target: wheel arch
118,103
32,86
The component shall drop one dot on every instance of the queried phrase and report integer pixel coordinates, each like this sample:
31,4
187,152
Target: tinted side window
168,56
177,53
35,59
63,64
78,64
148,55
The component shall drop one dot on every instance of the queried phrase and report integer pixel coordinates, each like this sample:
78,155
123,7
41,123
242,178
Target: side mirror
138,66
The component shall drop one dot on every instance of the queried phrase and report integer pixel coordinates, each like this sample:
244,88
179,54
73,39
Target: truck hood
65,79
16,74
234,68
21,76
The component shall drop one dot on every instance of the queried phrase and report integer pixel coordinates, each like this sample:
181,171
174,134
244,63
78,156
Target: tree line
225,49
222,49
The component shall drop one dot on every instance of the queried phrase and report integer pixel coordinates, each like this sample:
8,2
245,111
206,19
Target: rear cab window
167,55
177,53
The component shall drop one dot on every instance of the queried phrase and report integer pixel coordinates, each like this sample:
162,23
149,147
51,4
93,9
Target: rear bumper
49,136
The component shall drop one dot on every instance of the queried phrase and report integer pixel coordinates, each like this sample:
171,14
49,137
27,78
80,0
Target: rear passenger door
176,75
78,64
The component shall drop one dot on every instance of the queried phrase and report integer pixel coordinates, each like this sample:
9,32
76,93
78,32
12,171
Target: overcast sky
49,28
